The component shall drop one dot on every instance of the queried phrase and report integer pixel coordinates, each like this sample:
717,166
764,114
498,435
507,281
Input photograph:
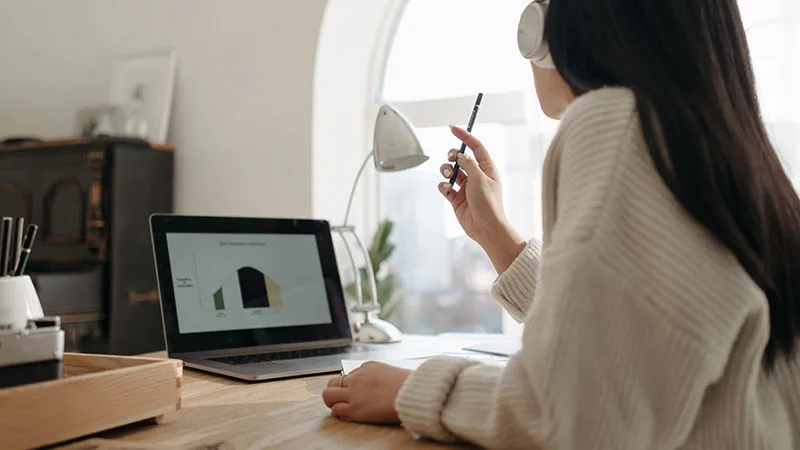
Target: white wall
243,95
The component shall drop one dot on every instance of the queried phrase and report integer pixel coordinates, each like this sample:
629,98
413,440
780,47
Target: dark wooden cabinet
92,263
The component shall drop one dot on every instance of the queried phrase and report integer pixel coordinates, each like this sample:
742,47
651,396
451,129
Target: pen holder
19,302
31,345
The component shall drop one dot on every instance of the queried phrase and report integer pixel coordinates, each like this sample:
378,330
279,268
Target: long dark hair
688,64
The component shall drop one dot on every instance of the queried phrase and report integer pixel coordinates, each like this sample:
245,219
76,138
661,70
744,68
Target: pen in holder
31,345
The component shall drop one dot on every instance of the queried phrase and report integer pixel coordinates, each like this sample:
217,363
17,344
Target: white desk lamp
395,148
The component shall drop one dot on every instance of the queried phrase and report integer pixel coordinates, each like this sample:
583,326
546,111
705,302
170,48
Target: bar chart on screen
247,288
244,281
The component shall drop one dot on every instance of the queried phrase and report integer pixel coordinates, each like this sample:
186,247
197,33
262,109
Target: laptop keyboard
241,360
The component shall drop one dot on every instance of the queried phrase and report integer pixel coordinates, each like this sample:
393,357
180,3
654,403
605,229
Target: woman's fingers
451,155
481,154
447,172
447,190
341,410
334,395
472,142
469,165
455,197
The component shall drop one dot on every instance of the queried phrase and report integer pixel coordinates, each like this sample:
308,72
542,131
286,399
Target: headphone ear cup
530,35
546,62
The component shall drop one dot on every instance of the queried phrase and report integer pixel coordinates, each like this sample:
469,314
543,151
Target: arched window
773,33
444,52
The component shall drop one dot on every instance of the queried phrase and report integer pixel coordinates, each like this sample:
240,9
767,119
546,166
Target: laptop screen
230,283
226,282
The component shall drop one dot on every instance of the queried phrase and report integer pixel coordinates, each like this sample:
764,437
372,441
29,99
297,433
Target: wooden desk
224,414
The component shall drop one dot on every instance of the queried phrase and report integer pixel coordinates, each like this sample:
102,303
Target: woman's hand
366,394
478,204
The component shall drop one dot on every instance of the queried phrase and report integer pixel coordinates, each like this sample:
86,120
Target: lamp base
377,331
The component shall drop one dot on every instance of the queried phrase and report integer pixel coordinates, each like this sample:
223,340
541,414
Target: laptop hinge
263,349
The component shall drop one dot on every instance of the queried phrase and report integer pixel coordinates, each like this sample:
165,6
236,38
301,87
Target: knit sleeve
590,373
515,288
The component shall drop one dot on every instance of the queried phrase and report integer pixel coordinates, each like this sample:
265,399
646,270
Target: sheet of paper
499,347
349,365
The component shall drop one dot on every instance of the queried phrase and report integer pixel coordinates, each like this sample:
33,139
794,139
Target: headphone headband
530,35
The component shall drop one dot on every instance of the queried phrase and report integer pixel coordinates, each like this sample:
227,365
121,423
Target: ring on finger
341,379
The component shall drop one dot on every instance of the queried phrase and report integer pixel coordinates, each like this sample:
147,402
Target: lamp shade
396,146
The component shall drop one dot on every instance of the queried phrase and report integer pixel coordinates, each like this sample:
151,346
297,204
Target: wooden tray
97,393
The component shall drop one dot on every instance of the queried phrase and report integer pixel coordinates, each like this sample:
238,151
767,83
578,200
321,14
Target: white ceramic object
18,302
378,331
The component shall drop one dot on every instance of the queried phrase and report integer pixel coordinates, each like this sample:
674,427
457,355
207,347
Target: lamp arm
373,287
355,184
359,294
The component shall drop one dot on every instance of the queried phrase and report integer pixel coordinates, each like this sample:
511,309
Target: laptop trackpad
322,364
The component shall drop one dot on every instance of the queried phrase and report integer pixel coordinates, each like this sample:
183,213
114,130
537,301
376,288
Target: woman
663,309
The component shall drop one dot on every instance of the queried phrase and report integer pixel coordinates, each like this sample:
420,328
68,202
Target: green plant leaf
385,288
386,252
382,234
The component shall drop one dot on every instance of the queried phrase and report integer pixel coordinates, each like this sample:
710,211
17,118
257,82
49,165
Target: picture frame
142,86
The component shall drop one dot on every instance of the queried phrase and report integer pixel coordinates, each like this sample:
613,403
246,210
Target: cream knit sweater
642,331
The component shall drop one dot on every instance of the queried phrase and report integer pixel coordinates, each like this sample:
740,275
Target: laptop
255,299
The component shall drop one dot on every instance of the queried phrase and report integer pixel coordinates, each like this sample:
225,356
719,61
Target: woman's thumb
468,165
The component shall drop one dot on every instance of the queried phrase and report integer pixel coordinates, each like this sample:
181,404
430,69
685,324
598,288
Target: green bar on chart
219,300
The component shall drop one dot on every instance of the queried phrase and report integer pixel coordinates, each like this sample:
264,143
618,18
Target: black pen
27,244
469,130
5,241
16,245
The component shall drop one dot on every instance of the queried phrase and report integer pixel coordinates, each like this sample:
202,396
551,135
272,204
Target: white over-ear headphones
530,35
